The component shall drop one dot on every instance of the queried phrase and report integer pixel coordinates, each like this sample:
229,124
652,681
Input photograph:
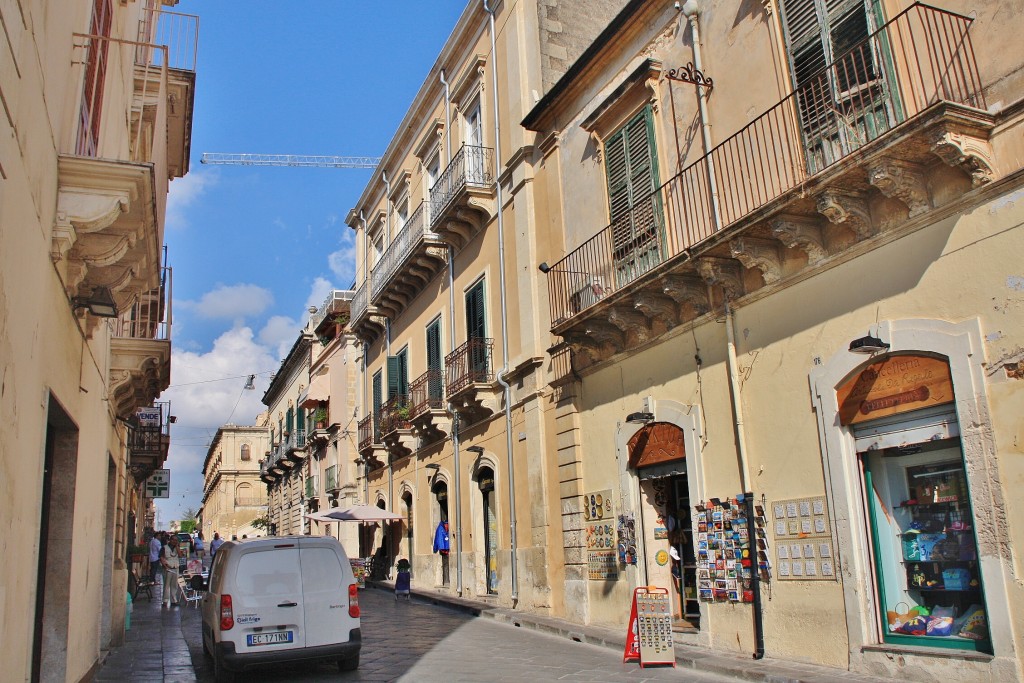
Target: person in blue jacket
441,543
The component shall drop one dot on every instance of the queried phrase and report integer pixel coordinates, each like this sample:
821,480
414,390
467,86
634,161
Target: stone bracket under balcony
106,231
463,199
139,370
476,401
369,326
399,442
409,279
897,183
431,425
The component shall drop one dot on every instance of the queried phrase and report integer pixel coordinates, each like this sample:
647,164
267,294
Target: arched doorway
657,456
407,500
440,491
485,480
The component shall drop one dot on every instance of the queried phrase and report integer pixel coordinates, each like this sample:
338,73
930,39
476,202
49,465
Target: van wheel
349,663
220,674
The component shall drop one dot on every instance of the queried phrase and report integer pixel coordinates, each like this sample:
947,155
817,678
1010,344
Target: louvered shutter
476,326
378,394
289,419
434,359
393,383
403,372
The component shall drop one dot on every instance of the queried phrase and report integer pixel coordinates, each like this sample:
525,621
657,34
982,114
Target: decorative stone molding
687,290
657,307
971,153
605,333
633,323
432,425
762,255
722,272
848,208
902,180
399,443
800,232
139,370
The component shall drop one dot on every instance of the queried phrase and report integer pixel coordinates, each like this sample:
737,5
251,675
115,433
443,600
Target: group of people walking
171,554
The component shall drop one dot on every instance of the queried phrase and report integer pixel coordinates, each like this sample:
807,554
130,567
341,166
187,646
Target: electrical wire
220,379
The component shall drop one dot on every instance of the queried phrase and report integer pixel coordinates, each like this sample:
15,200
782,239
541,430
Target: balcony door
476,331
95,75
634,206
378,401
434,387
474,144
847,104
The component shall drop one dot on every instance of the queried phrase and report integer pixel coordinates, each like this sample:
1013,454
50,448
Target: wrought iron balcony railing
394,414
920,58
398,252
150,316
469,364
360,302
337,301
471,166
312,487
369,432
426,392
249,501
179,35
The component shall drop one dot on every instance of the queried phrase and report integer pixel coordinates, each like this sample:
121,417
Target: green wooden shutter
393,383
403,371
434,359
289,419
378,394
476,323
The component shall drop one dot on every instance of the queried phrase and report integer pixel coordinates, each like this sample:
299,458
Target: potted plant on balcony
320,417
402,412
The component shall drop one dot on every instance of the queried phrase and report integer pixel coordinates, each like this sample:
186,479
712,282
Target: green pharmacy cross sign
159,484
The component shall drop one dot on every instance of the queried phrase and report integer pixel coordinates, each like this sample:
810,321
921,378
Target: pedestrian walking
214,544
155,546
169,560
200,546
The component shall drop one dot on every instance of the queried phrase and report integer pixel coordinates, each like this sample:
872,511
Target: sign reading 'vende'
159,484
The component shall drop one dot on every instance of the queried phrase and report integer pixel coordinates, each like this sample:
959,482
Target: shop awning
319,390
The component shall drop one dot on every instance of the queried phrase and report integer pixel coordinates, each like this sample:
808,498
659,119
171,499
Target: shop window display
926,557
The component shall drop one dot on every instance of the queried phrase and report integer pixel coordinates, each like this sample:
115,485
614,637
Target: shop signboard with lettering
893,385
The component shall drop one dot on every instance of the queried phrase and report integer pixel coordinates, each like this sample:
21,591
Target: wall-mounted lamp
868,345
172,418
100,303
544,267
640,418
433,466
479,450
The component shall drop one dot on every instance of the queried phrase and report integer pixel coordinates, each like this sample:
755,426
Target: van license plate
269,638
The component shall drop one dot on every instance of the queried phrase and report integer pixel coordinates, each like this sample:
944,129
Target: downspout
689,10
451,331
504,316
366,402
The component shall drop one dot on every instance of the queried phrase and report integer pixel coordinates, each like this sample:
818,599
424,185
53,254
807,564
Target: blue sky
252,248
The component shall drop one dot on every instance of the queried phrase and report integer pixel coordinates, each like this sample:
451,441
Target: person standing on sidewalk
169,560
155,546
199,546
214,544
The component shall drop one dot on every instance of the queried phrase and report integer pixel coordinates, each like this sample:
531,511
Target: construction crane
309,160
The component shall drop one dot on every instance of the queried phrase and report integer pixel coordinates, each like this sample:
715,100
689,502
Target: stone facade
233,493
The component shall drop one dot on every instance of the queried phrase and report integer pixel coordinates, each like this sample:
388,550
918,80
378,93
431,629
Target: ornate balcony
366,322
469,378
395,428
149,439
140,350
462,200
371,449
334,311
430,421
411,260
834,169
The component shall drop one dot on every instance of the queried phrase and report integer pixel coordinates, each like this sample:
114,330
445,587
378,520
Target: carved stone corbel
657,307
585,348
633,323
971,153
722,272
902,180
81,212
847,208
605,333
762,255
800,232
687,290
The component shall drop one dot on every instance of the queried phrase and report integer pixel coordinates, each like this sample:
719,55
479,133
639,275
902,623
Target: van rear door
325,591
267,602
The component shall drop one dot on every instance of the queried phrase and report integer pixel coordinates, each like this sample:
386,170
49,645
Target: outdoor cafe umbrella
357,513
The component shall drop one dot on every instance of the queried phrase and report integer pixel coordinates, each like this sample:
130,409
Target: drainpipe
366,402
451,331
387,204
504,315
734,391
689,10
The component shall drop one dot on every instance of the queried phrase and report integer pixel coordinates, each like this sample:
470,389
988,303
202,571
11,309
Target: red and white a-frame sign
649,635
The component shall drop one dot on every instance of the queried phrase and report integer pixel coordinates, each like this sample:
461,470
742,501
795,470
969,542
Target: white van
280,599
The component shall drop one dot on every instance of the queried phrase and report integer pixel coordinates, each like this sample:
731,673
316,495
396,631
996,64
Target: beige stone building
233,493
783,262
97,119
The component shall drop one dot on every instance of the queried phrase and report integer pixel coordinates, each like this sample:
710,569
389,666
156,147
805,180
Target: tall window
246,454
476,329
476,168
634,207
95,75
434,360
378,401
846,105
398,374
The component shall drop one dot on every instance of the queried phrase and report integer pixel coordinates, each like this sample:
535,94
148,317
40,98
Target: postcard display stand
649,637
725,555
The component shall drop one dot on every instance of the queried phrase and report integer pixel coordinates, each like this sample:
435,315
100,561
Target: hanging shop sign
726,553
649,636
894,385
804,546
602,545
656,444
159,484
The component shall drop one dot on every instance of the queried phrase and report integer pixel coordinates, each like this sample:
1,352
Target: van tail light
353,600
227,614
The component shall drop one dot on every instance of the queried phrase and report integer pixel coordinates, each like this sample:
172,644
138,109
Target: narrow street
402,641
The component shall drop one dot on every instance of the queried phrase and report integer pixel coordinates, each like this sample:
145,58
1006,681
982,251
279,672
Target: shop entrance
659,459
486,481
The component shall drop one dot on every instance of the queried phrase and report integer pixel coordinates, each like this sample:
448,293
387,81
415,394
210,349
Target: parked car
280,599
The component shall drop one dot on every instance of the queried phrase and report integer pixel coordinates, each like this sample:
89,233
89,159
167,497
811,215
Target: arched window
246,454
244,495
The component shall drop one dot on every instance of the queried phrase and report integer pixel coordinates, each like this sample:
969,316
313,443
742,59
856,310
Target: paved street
402,641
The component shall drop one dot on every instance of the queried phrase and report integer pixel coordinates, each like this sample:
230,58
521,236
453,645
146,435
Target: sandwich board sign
159,484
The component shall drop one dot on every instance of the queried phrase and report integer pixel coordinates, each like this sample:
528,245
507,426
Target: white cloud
279,334
318,292
343,261
184,192
232,302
